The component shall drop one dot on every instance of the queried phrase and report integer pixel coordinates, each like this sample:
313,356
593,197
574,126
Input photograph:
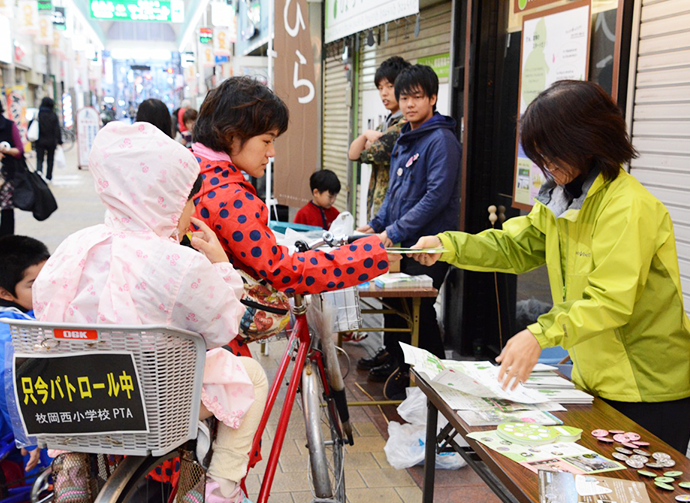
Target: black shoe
381,373
397,383
381,357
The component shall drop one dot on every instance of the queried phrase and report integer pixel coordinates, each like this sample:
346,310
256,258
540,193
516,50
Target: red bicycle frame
300,332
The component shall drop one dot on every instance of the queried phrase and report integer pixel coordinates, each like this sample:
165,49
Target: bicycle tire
40,490
68,139
326,456
130,475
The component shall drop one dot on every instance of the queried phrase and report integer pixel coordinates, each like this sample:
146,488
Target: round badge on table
684,485
673,473
600,433
665,480
683,497
646,473
663,485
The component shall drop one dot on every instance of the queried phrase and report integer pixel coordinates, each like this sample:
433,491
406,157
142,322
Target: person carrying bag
11,151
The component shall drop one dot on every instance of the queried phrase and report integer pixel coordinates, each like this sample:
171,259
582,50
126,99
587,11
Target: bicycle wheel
68,139
131,481
324,439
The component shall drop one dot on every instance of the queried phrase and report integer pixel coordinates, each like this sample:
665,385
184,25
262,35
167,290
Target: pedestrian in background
49,136
11,148
155,112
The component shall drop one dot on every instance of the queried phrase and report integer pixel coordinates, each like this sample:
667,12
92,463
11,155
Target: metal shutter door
660,115
336,120
434,38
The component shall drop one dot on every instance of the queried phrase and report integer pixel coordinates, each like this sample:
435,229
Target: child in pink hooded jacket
132,270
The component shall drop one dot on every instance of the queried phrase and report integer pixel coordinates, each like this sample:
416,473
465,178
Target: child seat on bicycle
132,270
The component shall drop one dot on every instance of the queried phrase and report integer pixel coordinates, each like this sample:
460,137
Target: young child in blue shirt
21,259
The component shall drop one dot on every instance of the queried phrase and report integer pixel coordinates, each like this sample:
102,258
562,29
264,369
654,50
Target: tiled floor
369,477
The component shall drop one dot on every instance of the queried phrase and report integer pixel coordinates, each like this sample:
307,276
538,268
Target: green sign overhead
132,10
45,5
440,63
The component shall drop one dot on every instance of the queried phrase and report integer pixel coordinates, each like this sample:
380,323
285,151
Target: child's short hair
417,77
17,254
189,115
390,69
240,107
323,180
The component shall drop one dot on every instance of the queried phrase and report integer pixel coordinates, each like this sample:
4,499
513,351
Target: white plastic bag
343,225
32,133
405,446
60,162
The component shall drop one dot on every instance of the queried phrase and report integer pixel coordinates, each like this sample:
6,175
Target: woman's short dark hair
576,124
47,102
155,112
414,78
242,108
390,69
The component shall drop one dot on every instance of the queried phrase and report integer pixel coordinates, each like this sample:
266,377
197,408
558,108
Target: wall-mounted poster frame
543,62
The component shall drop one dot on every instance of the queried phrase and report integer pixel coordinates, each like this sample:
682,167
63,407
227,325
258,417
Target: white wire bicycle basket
346,308
169,364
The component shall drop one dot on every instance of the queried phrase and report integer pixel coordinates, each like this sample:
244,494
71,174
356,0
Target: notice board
555,46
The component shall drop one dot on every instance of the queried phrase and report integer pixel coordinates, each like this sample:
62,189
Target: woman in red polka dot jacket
234,133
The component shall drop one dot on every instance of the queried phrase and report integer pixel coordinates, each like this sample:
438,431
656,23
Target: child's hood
142,176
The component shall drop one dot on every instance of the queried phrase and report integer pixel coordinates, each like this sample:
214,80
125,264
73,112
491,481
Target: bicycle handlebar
328,239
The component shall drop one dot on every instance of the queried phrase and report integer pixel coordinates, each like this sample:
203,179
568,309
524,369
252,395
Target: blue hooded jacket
423,193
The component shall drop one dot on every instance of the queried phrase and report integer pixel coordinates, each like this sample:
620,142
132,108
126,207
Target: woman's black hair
416,78
196,187
390,69
155,112
577,127
242,108
47,102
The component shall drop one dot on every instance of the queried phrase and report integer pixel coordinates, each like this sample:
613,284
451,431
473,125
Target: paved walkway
369,477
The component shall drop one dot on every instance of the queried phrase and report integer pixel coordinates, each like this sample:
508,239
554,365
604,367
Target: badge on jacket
409,163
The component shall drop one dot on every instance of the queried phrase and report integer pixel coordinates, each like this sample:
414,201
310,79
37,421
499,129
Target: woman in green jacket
610,251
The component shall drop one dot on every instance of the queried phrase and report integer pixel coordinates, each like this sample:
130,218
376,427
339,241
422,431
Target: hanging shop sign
45,29
28,17
45,6
6,10
440,64
80,393
205,35
59,19
526,5
88,124
344,18
206,57
555,46
294,83
16,109
6,45
138,10
221,42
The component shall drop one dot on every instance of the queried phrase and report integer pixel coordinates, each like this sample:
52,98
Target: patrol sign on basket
79,393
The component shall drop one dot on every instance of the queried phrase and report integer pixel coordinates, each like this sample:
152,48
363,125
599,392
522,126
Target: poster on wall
88,124
16,109
28,17
555,46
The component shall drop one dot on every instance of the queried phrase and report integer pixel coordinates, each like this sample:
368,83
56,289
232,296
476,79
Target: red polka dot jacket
230,206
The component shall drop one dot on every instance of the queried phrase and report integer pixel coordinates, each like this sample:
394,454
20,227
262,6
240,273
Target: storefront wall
659,113
430,45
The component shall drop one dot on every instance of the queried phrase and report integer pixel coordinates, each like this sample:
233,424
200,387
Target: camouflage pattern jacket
378,155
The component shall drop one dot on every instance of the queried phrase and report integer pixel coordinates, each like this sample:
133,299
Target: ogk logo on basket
91,335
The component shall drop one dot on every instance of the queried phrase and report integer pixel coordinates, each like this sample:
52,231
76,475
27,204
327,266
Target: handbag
267,309
31,193
32,133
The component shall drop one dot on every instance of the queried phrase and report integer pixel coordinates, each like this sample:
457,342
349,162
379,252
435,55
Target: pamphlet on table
562,487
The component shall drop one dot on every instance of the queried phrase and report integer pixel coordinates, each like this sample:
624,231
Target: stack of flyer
402,280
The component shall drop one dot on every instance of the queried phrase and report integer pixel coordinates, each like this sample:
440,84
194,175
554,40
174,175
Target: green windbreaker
613,272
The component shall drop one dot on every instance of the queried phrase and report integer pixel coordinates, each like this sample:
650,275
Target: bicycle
69,138
315,374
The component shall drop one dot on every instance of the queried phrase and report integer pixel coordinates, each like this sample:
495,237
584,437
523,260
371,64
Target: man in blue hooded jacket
423,197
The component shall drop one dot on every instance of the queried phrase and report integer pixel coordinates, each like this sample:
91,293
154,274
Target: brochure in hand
563,487
408,251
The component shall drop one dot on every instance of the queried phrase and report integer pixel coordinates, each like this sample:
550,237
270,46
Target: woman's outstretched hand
206,241
427,242
518,358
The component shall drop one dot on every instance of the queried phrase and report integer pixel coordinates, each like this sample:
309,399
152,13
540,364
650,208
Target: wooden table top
524,484
382,293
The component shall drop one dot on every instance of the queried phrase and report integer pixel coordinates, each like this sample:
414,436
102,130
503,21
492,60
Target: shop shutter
336,119
659,114
434,38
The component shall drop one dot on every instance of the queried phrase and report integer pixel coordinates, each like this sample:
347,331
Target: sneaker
397,383
381,373
381,357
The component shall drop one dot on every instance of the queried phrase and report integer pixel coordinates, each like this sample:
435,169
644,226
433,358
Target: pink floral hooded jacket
132,269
